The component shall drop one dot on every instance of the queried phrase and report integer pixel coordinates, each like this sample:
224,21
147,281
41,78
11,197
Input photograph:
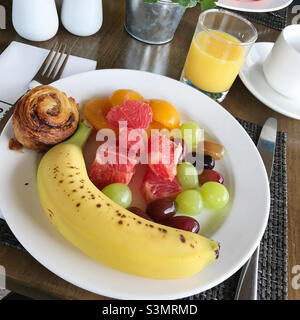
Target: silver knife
2,18
247,286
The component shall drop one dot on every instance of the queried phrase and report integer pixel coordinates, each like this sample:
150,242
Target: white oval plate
254,6
239,233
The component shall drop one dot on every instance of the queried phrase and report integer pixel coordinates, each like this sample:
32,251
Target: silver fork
52,68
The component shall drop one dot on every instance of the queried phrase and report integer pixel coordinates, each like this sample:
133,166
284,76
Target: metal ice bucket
153,23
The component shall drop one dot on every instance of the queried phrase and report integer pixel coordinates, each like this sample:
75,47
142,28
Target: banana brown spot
139,222
71,182
74,190
51,214
192,246
26,184
120,222
61,181
123,216
162,230
82,197
182,238
98,205
81,187
78,204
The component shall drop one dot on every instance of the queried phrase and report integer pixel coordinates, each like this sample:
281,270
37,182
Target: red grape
210,175
184,223
161,209
140,212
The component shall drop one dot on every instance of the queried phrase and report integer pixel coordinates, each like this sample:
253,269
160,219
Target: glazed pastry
43,117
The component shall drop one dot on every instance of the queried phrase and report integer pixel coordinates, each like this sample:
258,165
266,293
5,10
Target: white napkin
19,63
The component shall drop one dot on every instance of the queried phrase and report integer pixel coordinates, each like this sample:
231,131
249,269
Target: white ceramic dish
254,79
239,228
254,6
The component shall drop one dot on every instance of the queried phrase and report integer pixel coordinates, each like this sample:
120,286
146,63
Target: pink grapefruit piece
110,166
163,155
138,114
154,187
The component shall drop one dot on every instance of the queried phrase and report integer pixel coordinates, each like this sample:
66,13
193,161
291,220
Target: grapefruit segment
137,114
163,155
154,187
110,166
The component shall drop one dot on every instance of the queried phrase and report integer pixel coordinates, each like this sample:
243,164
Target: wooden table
112,47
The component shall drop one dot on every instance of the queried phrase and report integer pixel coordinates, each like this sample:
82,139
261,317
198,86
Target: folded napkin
20,62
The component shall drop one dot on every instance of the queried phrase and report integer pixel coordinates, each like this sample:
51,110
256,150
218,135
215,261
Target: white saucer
254,6
253,78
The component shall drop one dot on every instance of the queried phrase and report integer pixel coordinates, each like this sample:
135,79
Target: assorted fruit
179,178
93,208
109,233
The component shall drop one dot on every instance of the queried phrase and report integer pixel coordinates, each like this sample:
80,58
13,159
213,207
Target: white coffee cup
282,66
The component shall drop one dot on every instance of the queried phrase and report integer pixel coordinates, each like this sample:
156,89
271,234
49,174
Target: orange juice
213,61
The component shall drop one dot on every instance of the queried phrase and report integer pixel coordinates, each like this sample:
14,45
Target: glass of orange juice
220,45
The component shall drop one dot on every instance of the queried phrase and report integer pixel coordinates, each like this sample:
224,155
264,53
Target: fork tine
52,75
47,72
61,70
45,63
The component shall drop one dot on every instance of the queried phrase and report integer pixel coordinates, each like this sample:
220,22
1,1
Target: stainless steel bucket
153,23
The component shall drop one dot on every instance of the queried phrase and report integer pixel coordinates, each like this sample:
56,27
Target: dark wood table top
112,47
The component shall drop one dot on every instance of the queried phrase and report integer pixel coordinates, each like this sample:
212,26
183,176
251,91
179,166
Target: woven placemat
272,274
272,269
275,19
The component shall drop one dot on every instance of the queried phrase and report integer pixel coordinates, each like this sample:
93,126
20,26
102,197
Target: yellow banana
107,232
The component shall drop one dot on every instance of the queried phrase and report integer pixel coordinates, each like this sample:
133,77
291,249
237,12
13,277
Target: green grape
119,193
189,202
214,195
187,176
191,133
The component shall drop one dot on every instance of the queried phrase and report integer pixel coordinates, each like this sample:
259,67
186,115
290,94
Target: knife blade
2,18
247,286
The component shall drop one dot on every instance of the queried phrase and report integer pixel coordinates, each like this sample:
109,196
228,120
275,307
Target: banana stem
80,136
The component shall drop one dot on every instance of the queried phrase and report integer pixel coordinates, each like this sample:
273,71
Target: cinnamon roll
43,117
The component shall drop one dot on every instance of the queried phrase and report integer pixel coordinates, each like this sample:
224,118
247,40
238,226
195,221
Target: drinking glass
219,47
